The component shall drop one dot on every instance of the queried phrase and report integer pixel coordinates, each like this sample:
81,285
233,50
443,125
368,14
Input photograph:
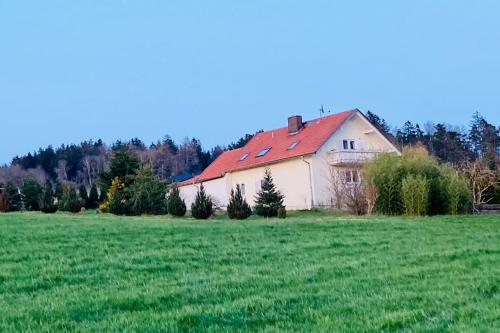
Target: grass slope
310,272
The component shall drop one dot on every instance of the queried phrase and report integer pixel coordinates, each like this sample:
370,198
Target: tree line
448,143
81,164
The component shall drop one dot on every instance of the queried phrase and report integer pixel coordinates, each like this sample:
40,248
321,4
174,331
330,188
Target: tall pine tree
268,200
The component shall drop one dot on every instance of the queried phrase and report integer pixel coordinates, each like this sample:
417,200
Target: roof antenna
321,111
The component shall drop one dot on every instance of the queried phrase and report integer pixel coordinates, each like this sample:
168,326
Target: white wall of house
216,188
291,177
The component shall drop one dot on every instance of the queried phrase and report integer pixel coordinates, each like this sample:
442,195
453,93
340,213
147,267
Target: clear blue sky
74,70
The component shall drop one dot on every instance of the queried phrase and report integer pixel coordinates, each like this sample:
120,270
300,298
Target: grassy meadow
313,272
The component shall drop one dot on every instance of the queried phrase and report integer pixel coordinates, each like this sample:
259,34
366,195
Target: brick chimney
294,124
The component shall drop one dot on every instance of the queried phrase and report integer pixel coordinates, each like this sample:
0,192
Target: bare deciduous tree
335,186
480,178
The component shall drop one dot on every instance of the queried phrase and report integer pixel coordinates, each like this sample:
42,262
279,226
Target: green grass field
314,272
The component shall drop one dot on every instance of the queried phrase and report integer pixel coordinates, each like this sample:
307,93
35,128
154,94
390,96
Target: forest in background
81,164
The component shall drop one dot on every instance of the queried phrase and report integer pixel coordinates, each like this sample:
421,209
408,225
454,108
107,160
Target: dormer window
263,152
245,155
293,145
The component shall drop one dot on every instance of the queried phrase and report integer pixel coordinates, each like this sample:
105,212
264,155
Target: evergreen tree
82,191
70,201
32,192
409,134
13,196
238,208
146,195
475,134
93,198
176,205
202,207
47,201
484,139
103,190
268,199
378,122
115,201
59,190
124,165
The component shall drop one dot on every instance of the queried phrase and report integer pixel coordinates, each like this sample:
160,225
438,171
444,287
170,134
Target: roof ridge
307,121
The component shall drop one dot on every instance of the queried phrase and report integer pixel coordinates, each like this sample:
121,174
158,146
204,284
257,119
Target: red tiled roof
310,138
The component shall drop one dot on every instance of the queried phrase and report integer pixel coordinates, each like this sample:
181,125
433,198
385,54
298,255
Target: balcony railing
340,157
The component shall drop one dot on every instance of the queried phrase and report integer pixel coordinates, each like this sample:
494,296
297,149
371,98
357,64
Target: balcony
351,157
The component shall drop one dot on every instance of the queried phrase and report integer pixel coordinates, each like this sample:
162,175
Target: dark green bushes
175,205
146,195
47,200
70,201
93,199
32,193
238,208
202,207
12,198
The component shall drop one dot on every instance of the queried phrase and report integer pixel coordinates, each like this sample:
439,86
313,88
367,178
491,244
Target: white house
302,158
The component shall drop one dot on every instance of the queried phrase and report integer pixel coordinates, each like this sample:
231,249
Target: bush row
416,184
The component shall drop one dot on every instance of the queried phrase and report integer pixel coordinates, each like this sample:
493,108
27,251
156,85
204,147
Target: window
263,152
293,145
245,155
348,176
348,144
242,188
351,176
355,177
258,185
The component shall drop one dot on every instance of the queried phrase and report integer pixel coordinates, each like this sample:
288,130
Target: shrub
58,191
93,199
146,195
47,200
415,191
175,205
268,199
115,198
32,192
384,173
458,194
356,198
13,197
70,201
238,208
202,207
282,212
